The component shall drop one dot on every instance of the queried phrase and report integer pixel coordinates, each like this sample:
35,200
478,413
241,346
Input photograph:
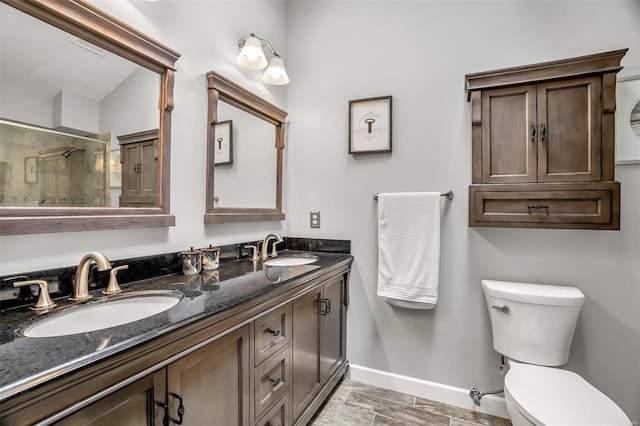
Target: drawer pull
274,333
538,207
275,382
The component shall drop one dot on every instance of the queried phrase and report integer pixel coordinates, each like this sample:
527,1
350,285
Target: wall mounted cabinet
139,158
543,144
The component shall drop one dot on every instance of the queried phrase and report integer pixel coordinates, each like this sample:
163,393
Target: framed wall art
628,120
223,141
31,169
370,125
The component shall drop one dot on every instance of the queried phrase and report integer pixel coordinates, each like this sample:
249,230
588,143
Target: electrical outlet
314,219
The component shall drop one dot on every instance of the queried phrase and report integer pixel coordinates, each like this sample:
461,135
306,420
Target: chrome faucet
81,282
265,244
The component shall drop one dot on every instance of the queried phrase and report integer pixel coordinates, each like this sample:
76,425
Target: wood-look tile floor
355,404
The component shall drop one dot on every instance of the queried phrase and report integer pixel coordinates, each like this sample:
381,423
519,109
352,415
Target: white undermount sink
291,260
120,310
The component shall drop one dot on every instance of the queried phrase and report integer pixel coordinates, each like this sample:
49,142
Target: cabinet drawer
278,415
591,207
271,380
272,332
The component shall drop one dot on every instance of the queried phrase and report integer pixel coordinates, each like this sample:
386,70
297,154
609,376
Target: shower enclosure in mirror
250,187
73,80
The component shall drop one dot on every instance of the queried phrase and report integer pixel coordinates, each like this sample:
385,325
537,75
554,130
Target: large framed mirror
243,131
79,89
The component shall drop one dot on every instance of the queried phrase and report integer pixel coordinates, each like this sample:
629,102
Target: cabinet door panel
213,382
333,339
569,114
132,405
306,373
508,138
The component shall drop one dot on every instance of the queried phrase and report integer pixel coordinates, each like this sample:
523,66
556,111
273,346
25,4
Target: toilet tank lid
539,294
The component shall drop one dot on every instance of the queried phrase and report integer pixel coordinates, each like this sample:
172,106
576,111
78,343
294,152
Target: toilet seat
550,396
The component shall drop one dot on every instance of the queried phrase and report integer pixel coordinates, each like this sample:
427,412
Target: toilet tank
532,323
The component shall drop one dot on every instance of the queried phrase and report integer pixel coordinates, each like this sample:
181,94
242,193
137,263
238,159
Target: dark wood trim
598,63
88,22
221,88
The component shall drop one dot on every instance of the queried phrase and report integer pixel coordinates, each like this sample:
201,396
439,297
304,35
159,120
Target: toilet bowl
532,326
537,395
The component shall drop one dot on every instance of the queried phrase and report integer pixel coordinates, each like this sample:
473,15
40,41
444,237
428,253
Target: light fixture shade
276,73
252,56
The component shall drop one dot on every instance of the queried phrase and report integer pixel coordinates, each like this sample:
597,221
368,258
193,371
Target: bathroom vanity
246,345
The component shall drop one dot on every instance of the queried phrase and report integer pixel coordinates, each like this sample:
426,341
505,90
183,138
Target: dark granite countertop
28,362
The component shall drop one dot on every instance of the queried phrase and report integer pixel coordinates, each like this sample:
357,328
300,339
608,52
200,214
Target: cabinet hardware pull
537,207
326,306
137,168
274,333
543,132
504,309
533,133
274,382
167,419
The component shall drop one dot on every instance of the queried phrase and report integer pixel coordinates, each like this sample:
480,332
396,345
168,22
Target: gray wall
419,52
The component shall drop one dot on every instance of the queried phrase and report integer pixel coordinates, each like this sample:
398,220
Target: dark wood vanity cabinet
211,384
139,159
319,343
548,130
271,362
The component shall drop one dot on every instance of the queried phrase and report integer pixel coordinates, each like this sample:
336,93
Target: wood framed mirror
254,172
93,29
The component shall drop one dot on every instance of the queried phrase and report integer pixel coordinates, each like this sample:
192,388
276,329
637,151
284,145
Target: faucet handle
274,252
44,300
113,287
254,252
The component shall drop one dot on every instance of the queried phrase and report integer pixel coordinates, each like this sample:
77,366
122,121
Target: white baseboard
491,404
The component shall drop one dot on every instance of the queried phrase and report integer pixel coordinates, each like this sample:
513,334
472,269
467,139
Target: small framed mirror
243,131
74,81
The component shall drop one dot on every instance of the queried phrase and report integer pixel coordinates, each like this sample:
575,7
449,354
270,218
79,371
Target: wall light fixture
252,57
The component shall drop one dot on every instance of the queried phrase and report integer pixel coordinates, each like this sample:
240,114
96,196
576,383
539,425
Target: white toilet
533,327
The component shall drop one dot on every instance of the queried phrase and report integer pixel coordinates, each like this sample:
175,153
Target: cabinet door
509,135
132,405
213,383
306,374
130,158
148,175
569,130
333,331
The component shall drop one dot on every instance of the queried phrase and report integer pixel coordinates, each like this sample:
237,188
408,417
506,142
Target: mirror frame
221,88
90,23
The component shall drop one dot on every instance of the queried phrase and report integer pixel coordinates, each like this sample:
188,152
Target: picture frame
31,169
223,142
370,125
115,169
628,109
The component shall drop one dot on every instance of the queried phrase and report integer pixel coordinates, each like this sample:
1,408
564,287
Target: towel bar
448,195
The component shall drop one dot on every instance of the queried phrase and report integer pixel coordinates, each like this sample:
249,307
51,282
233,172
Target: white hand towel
409,248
